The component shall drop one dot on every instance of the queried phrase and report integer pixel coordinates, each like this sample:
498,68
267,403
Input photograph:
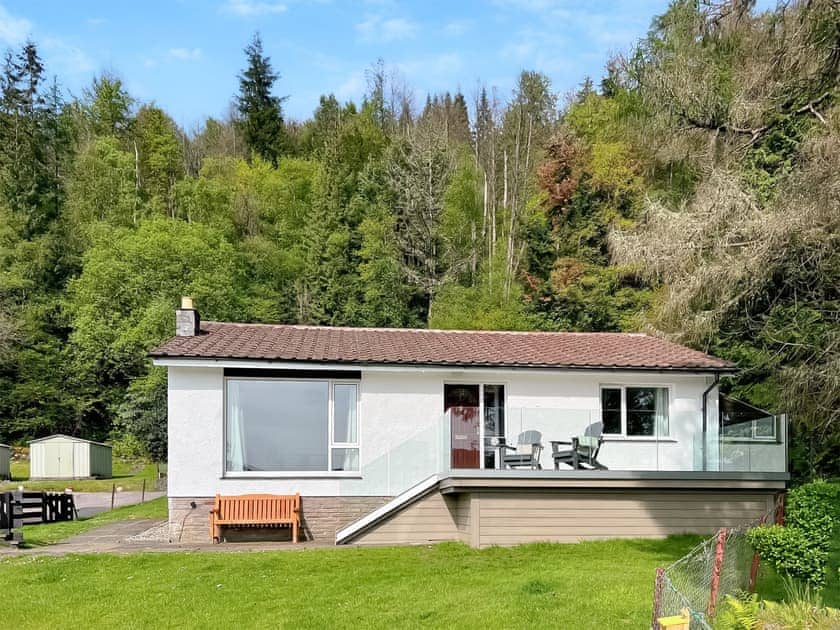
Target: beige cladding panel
433,518
509,518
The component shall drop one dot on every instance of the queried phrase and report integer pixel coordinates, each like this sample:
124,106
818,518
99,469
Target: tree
260,112
160,158
27,183
107,107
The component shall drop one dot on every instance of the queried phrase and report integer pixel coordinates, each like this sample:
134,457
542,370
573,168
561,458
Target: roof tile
384,346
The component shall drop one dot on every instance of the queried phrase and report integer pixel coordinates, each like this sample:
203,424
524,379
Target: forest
692,192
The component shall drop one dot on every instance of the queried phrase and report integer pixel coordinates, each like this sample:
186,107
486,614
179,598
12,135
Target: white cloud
435,71
186,54
457,27
375,28
96,21
67,58
13,30
352,88
252,8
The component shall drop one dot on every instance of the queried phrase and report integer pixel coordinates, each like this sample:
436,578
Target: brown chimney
187,320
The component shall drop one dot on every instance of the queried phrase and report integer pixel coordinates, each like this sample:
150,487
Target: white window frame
344,445
623,387
281,474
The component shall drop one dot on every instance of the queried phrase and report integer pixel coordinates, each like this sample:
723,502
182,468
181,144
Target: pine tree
261,112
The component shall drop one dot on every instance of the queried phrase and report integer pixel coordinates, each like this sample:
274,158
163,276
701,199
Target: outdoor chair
581,453
526,452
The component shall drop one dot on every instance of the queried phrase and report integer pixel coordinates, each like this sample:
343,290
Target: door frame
481,432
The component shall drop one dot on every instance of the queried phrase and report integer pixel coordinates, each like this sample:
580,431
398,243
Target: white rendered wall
402,428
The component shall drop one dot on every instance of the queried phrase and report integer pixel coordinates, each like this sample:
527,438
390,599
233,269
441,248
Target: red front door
461,401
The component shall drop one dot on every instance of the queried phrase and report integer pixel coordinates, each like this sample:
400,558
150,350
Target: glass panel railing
540,439
758,445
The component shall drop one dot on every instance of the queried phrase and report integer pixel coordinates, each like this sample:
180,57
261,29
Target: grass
50,533
128,474
594,585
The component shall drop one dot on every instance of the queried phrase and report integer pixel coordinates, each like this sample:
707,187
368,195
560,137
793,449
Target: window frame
623,388
280,474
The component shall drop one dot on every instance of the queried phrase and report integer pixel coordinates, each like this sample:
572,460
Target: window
635,411
278,425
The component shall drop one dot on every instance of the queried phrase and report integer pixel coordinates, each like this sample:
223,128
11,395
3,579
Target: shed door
64,456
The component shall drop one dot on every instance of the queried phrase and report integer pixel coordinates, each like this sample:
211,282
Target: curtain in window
661,406
235,431
345,427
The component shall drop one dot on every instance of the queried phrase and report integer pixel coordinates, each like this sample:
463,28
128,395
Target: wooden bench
255,510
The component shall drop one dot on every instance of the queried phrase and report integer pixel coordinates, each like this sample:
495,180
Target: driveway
90,503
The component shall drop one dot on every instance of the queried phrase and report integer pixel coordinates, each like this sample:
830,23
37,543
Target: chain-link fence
722,565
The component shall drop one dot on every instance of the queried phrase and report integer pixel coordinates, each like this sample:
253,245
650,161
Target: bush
815,510
791,552
127,446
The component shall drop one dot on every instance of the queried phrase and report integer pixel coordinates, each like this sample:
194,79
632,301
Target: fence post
756,561
780,508
113,493
143,492
658,588
718,565
16,515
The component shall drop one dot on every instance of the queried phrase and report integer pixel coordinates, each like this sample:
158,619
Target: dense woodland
692,192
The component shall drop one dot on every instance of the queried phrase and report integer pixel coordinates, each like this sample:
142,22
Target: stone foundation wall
321,518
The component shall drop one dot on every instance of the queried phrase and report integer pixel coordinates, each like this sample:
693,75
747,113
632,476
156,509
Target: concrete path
147,536
90,503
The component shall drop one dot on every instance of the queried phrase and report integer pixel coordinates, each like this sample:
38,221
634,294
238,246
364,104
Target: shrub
799,550
815,510
791,552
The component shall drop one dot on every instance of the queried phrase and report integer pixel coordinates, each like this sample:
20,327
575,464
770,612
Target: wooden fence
30,508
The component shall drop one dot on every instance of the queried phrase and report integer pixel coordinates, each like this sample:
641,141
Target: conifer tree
261,112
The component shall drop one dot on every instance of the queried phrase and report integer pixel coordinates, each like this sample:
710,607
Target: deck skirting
486,517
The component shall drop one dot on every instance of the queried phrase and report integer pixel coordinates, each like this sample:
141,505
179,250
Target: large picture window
635,411
279,425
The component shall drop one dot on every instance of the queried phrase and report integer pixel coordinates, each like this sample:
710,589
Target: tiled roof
395,346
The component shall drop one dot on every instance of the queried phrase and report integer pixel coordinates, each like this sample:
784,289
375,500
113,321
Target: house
66,457
404,436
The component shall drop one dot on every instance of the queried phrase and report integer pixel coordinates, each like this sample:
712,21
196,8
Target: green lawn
47,534
128,474
590,585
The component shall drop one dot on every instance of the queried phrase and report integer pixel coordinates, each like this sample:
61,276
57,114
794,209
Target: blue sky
185,55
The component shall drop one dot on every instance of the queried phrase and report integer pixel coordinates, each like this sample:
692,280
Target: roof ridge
438,330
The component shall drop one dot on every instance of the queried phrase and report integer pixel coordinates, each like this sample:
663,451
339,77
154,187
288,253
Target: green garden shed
66,457
5,461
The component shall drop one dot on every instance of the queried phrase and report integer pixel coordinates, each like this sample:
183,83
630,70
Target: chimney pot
187,320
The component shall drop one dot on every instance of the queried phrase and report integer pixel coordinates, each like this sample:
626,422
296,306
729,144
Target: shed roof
68,437
422,347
